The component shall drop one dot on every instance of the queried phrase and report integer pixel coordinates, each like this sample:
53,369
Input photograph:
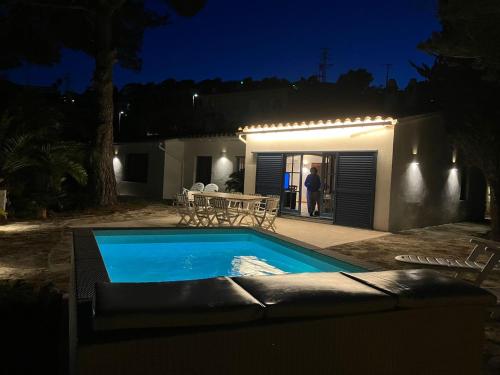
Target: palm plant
39,161
236,181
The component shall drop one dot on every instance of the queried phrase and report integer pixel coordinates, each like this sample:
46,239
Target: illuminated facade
376,172
160,169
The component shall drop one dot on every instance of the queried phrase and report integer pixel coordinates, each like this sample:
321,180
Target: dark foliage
34,329
109,31
39,163
466,82
171,109
236,181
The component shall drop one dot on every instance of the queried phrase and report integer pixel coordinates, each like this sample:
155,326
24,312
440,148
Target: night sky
263,38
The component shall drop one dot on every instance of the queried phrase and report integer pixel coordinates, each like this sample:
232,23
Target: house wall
175,167
342,139
153,188
427,193
173,178
223,151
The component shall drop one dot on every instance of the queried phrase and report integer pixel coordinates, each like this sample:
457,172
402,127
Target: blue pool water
168,255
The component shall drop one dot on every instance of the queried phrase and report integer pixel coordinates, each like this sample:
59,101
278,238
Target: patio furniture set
207,207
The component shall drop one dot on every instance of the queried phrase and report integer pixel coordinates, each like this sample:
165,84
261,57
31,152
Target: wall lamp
414,158
454,156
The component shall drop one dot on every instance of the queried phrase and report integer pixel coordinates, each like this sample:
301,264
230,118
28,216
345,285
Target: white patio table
245,198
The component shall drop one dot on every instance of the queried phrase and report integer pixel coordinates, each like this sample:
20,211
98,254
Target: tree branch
58,6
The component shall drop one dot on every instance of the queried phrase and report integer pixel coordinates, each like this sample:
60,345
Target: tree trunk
495,211
102,158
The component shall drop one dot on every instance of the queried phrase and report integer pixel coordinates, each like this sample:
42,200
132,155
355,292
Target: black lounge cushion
425,288
173,304
314,295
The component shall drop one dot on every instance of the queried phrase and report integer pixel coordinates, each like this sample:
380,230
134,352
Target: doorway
347,190
294,196
204,169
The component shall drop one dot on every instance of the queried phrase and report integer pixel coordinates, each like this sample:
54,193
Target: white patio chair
198,186
265,213
482,248
188,194
275,196
223,212
205,213
489,251
210,188
248,208
233,203
185,210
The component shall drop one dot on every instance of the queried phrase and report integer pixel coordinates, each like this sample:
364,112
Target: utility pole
324,65
387,70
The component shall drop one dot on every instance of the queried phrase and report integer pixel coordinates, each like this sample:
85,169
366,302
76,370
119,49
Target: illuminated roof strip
358,121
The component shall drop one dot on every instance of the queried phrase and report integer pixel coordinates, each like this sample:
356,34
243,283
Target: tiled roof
357,121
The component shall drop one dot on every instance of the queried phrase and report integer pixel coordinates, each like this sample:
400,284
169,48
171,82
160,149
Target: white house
160,169
382,173
376,172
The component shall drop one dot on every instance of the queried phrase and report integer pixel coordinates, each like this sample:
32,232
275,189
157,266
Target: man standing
313,183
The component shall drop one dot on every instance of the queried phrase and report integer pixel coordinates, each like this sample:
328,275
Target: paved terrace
39,251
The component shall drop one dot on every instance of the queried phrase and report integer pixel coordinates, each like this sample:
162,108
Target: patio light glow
312,125
315,134
414,160
413,185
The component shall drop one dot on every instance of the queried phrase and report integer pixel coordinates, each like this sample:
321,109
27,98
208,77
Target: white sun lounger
489,249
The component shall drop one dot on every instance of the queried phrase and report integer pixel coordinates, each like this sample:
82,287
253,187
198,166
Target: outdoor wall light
414,149
116,152
454,156
414,159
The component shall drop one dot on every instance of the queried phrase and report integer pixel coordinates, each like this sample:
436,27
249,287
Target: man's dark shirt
312,183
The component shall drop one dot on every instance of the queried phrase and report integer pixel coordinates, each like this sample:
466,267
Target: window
463,183
240,163
136,168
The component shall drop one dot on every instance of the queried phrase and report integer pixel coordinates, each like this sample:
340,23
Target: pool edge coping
100,268
370,267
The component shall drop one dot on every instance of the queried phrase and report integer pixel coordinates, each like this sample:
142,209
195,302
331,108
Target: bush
236,181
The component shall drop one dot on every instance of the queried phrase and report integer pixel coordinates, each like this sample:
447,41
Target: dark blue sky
262,38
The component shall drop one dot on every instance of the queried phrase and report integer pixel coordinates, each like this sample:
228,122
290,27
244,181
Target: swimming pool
153,255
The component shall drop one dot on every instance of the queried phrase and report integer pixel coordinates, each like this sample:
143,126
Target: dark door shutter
269,175
355,189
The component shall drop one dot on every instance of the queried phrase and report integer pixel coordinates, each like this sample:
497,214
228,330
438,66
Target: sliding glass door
347,191
292,182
